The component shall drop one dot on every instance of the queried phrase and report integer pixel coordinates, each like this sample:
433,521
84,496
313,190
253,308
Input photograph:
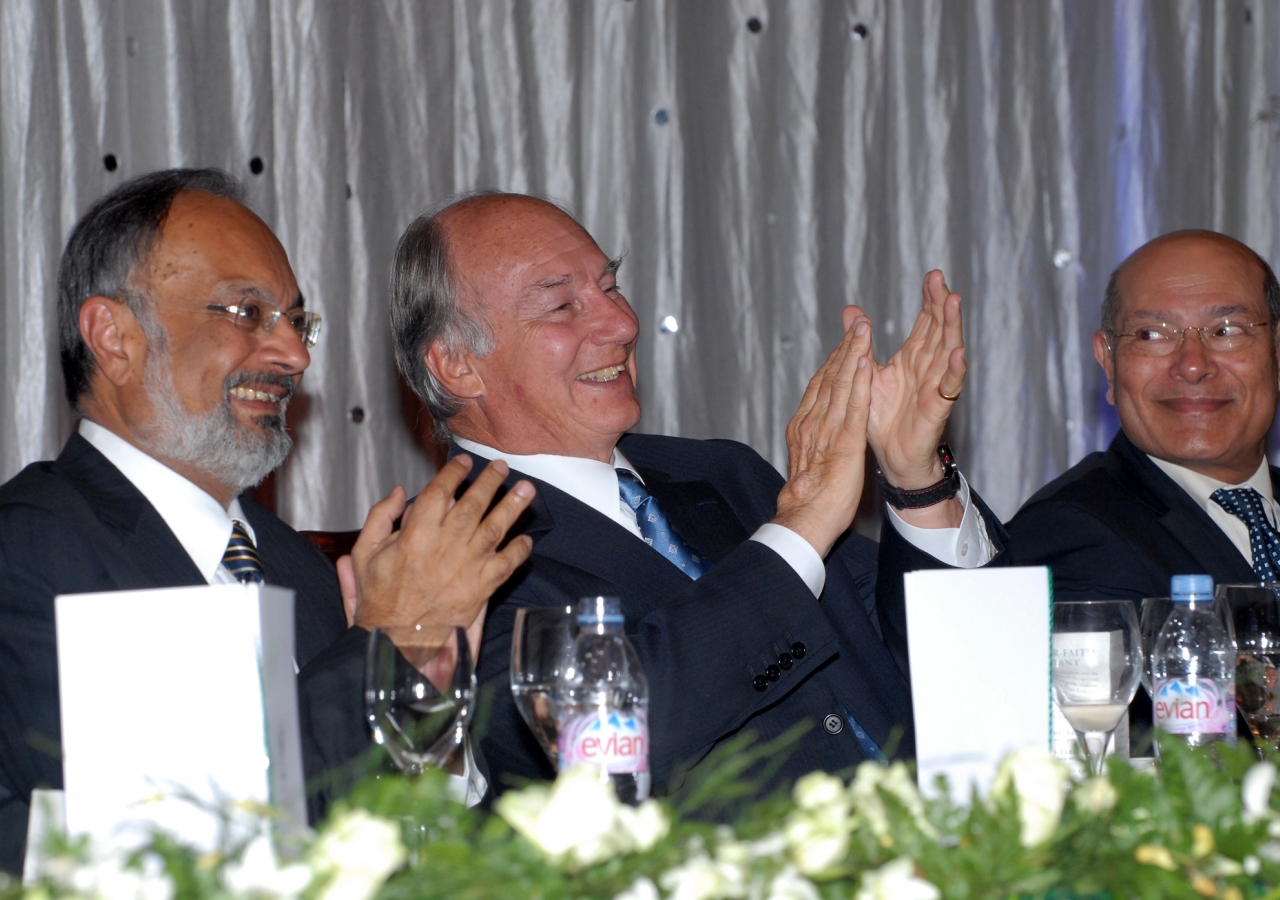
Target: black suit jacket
702,643
1115,525
77,525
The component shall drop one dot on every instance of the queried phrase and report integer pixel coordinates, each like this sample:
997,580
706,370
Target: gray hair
425,308
1111,299
105,247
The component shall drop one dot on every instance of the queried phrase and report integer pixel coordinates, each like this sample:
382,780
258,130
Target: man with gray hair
748,600
183,337
1188,345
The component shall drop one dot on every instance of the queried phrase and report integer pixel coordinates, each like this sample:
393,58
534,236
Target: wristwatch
928,496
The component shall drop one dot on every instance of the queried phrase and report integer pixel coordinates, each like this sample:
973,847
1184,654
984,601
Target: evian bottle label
617,742
1202,707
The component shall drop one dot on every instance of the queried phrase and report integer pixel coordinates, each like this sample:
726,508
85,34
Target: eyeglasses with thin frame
249,316
1221,336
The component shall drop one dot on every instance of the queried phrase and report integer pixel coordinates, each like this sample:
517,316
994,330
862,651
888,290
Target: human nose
282,347
1192,360
616,322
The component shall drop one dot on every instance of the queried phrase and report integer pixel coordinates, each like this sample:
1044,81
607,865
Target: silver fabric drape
760,163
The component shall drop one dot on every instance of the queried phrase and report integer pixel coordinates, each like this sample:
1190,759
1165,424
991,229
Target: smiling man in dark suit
183,336
749,602
1188,344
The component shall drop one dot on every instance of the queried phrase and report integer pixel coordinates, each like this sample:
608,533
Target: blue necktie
656,530
1246,504
241,558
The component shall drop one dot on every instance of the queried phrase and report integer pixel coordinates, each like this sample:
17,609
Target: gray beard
214,442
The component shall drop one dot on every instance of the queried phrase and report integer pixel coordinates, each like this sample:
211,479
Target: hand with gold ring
912,396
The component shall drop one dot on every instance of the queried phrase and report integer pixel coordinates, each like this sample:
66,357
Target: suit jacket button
773,672
760,682
785,660
833,723
797,650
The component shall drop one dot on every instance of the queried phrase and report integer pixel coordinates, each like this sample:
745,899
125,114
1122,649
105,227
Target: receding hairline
1192,236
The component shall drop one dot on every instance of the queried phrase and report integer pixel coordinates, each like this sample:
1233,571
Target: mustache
288,382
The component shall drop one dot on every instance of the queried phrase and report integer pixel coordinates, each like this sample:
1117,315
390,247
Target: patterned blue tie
1246,504
241,558
656,530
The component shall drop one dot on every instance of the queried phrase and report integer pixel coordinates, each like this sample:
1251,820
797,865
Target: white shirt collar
590,481
1201,487
197,520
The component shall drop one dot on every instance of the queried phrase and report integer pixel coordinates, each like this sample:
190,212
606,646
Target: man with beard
183,336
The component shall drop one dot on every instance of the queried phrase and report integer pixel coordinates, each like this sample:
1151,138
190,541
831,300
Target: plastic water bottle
602,702
1193,667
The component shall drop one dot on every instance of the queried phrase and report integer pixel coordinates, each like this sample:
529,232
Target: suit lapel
144,552
697,513
1198,537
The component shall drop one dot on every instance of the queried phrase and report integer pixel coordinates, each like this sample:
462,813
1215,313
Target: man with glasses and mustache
1188,344
183,336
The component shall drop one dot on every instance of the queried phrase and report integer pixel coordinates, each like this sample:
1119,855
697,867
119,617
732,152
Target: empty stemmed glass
1255,612
540,643
1097,664
419,724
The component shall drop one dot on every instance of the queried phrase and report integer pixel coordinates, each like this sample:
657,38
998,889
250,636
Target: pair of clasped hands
438,570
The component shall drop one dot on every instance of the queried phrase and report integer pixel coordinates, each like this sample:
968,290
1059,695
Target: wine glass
1155,611
1255,613
419,724
1097,648
540,643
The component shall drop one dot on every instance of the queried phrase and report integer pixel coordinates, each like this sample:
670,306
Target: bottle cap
599,609
1190,588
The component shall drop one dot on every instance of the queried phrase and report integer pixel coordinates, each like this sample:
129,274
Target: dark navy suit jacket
76,525
1114,525
702,643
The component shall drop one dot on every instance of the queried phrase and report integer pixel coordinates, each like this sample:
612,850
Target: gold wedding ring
952,397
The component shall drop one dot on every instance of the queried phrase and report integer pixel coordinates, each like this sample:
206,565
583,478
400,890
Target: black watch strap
927,496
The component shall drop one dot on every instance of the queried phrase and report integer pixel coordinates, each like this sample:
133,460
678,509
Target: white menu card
980,670
183,690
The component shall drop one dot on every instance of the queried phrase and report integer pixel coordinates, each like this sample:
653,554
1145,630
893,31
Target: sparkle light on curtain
760,164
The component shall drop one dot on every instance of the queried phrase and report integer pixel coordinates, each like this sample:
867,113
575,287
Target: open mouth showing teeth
600,375
248,393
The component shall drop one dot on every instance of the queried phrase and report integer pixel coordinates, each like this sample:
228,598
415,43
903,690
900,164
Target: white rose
107,876
896,881
702,878
1256,791
791,885
258,872
818,789
577,816
1097,795
641,889
1040,783
356,852
817,842
645,824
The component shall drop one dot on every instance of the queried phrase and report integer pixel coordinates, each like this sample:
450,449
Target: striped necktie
656,530
1246,504
241,558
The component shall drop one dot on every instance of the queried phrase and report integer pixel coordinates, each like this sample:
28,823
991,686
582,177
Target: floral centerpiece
1202,826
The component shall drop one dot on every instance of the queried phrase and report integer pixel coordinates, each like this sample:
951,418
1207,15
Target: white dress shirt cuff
795,552
966,547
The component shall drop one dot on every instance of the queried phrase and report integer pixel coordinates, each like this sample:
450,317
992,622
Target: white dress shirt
1201,487
595,483
199,522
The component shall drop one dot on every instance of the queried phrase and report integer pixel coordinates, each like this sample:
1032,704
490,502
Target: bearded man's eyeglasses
1221,336
250,316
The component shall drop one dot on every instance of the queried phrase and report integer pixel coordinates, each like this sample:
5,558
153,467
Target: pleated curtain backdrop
761,164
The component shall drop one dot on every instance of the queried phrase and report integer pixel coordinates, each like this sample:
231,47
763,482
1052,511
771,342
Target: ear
114,338
1102,353
455,372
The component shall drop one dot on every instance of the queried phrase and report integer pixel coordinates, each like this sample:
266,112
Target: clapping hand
912,396
827,443
438,570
